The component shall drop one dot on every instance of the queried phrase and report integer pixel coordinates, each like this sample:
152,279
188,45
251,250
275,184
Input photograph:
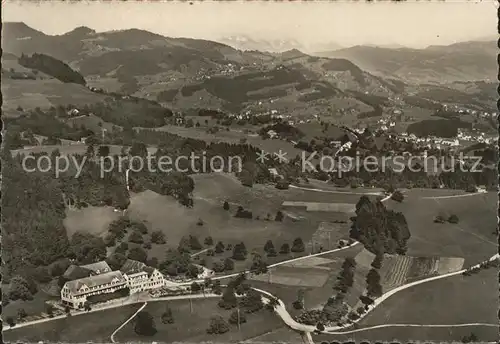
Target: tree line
53,67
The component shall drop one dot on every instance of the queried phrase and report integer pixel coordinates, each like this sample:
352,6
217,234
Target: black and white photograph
250,172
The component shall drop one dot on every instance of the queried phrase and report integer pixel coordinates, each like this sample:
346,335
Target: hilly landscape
465,61
184,73
202,73
354,84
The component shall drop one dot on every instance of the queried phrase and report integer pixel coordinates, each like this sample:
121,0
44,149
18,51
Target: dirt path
126,322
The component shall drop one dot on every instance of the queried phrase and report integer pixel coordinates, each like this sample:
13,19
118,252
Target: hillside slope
186,73
457,62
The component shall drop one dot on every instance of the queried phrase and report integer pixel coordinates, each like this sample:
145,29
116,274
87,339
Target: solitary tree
269,245
397,196
208,241
144,324
167,316
374,288
226,205
195,287
21,313
239,251
279,216
103,151
228,300
228,264
10,321
472,338
298,245
157,237
87,306
453,219
237,317
252,301
136,237
439,219
285,248
377,261
217,325
219,247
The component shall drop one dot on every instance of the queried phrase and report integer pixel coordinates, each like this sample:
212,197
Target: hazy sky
415,24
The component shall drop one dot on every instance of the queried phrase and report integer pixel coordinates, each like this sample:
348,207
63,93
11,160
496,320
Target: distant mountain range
243,42
466,61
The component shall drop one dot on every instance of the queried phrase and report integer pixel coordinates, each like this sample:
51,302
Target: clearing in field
30,94
94,220
329,234
207,217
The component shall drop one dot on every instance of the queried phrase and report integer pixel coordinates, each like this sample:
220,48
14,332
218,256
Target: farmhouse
97,278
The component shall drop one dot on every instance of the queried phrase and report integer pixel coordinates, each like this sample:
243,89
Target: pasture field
91,122
412,334
188,326
191,326
330,264
317,206
321,185
211,190
96,327
233,136
32,307
30,94
69,149
451,300
417,193
165,214
107,83
315,129
398,270
394,272
301,277
329,234
281,335
94,220
422,266
473,238
446,265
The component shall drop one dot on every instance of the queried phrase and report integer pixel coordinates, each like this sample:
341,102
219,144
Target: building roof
133,266
93,281
98,267
74,272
